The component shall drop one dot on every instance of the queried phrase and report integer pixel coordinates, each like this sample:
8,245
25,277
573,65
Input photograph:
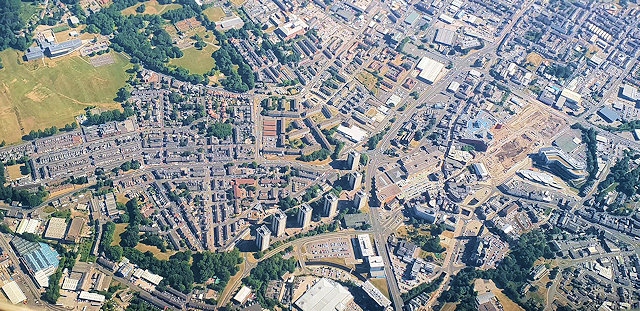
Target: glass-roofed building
40,259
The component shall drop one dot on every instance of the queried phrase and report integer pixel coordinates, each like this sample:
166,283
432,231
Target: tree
114,252
10,25
141,8
220,130
123,94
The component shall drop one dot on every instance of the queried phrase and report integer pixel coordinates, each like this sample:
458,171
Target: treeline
272,268
373,141
176,271
130,237
510,275
130,165
339,145
189,9
559,71
628,183
26,198
240,80
431,243
320,155
423,288
589,138
133,36
10,25
112,252
220,130
222,266
108,116
50,131
154,240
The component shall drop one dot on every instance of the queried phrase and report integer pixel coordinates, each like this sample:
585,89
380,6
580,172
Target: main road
376,156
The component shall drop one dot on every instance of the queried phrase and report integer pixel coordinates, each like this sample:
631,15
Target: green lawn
151,7
214,13
45,93
197,61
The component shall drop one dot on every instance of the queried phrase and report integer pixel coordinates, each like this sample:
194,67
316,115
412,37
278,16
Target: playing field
214,13
151,7
237,2
44,93
197,61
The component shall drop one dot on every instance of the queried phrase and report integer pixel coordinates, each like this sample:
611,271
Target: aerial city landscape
321,155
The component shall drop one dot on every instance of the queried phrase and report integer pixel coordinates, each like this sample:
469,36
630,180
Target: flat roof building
355,180
242,295
263,236
453,86
376,294
233,22
429,69
325,295
330,205
376,266
445,36
40,259
13,292
292,29
412,18
56,228
366,248
561,163
360,200
28,226
353,133
304,216
629,92
75,230
353,160
355,220
93,297
279,223
481,170
608,114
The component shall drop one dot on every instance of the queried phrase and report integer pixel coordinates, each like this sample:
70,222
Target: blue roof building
40,259
608,114
34,53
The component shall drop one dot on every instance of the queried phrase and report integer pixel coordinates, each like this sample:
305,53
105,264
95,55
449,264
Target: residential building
355,180
279,223
330,205
304,215
263,235
360,200
353,159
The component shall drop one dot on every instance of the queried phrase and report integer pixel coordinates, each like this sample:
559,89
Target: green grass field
197,61
45,93
151,7
28,9
214,13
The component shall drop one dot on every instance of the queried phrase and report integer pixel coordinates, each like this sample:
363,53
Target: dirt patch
535,59
484,286
155,250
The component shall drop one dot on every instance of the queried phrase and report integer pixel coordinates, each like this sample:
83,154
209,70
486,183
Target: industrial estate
320,155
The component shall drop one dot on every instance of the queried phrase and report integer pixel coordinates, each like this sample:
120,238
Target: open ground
48,92
151,7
